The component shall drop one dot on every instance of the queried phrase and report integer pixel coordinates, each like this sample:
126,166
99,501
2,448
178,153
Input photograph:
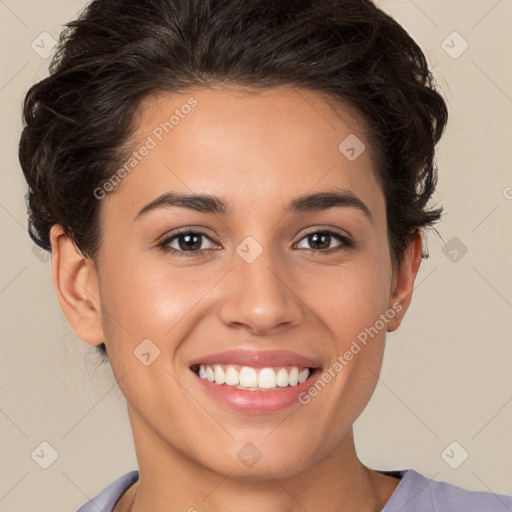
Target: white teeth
267,378
293,377
282,378
210,375
219,375
232,376
303,375
254,378
248,377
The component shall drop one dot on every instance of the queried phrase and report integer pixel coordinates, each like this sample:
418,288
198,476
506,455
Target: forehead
229,142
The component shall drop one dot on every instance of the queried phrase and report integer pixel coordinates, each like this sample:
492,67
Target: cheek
351,297
142,301
352,303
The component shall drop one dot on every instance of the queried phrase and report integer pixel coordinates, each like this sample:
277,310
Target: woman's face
267,273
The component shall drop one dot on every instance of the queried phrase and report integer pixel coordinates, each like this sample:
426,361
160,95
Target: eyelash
345,243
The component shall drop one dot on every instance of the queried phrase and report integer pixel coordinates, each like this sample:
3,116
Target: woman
234,195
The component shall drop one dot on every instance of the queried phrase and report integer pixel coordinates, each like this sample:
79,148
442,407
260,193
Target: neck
170,481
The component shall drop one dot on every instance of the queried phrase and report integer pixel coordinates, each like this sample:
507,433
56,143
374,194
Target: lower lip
257,402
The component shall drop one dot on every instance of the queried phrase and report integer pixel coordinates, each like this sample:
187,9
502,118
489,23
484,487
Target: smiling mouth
253,379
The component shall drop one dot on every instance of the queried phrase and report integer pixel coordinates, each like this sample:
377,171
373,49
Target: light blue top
414,493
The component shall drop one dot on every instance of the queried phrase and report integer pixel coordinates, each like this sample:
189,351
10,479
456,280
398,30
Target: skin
256,152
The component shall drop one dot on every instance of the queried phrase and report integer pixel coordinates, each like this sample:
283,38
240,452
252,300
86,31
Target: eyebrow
207,203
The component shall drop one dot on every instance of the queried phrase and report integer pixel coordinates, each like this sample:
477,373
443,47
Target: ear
403,281
77,287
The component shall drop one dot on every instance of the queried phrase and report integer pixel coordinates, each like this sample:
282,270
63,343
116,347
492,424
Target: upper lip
258,358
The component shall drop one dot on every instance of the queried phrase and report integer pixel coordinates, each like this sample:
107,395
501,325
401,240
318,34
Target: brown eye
191,242
324,240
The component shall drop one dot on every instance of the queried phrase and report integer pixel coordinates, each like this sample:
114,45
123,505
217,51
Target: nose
259,297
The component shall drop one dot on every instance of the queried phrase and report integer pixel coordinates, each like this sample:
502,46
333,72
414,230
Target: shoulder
417,493
108,497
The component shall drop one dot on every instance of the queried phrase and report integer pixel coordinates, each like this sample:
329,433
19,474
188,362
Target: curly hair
117,53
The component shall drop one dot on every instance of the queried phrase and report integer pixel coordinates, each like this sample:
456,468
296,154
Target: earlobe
403,281
77,288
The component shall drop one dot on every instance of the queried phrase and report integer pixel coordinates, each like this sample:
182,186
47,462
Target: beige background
446,374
